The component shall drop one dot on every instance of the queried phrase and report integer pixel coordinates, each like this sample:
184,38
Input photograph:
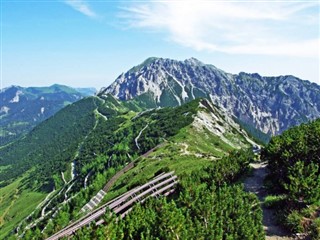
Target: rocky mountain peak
193,61
271,104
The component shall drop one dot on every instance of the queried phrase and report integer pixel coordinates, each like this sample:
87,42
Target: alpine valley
162,153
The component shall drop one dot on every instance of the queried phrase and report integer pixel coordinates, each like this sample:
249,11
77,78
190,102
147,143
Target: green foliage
202,208
168,99
294,221
315,229
62,219
230,167
16,203
293,160
256,134
50,146
116,137
103,140
143,101
272,201
106,148
199,93
26,113
304,182
300,143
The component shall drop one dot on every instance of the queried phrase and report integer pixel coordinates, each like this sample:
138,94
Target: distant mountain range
271,104
21,109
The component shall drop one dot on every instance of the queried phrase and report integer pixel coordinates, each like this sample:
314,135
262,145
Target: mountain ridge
21,109
271,104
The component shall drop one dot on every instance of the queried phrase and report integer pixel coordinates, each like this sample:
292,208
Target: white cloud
81,6
240,27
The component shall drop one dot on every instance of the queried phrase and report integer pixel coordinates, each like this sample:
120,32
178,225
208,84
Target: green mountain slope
71,156
21,109
31,167
50,145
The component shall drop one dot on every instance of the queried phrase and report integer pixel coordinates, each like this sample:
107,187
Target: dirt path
254,184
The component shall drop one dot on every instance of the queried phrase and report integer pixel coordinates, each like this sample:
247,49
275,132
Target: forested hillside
31,167
50,146
294,160
21,109
74,154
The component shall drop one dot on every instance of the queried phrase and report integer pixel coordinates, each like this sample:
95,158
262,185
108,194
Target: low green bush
272,201
294,222
315,229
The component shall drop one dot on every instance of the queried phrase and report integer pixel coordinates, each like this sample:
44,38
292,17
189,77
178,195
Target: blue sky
85,43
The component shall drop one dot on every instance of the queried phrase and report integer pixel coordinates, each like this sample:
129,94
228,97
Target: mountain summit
271,104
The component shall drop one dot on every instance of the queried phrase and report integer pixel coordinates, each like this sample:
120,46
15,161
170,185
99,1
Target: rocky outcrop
271,104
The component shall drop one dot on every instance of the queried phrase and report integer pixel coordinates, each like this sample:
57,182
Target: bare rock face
271,104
